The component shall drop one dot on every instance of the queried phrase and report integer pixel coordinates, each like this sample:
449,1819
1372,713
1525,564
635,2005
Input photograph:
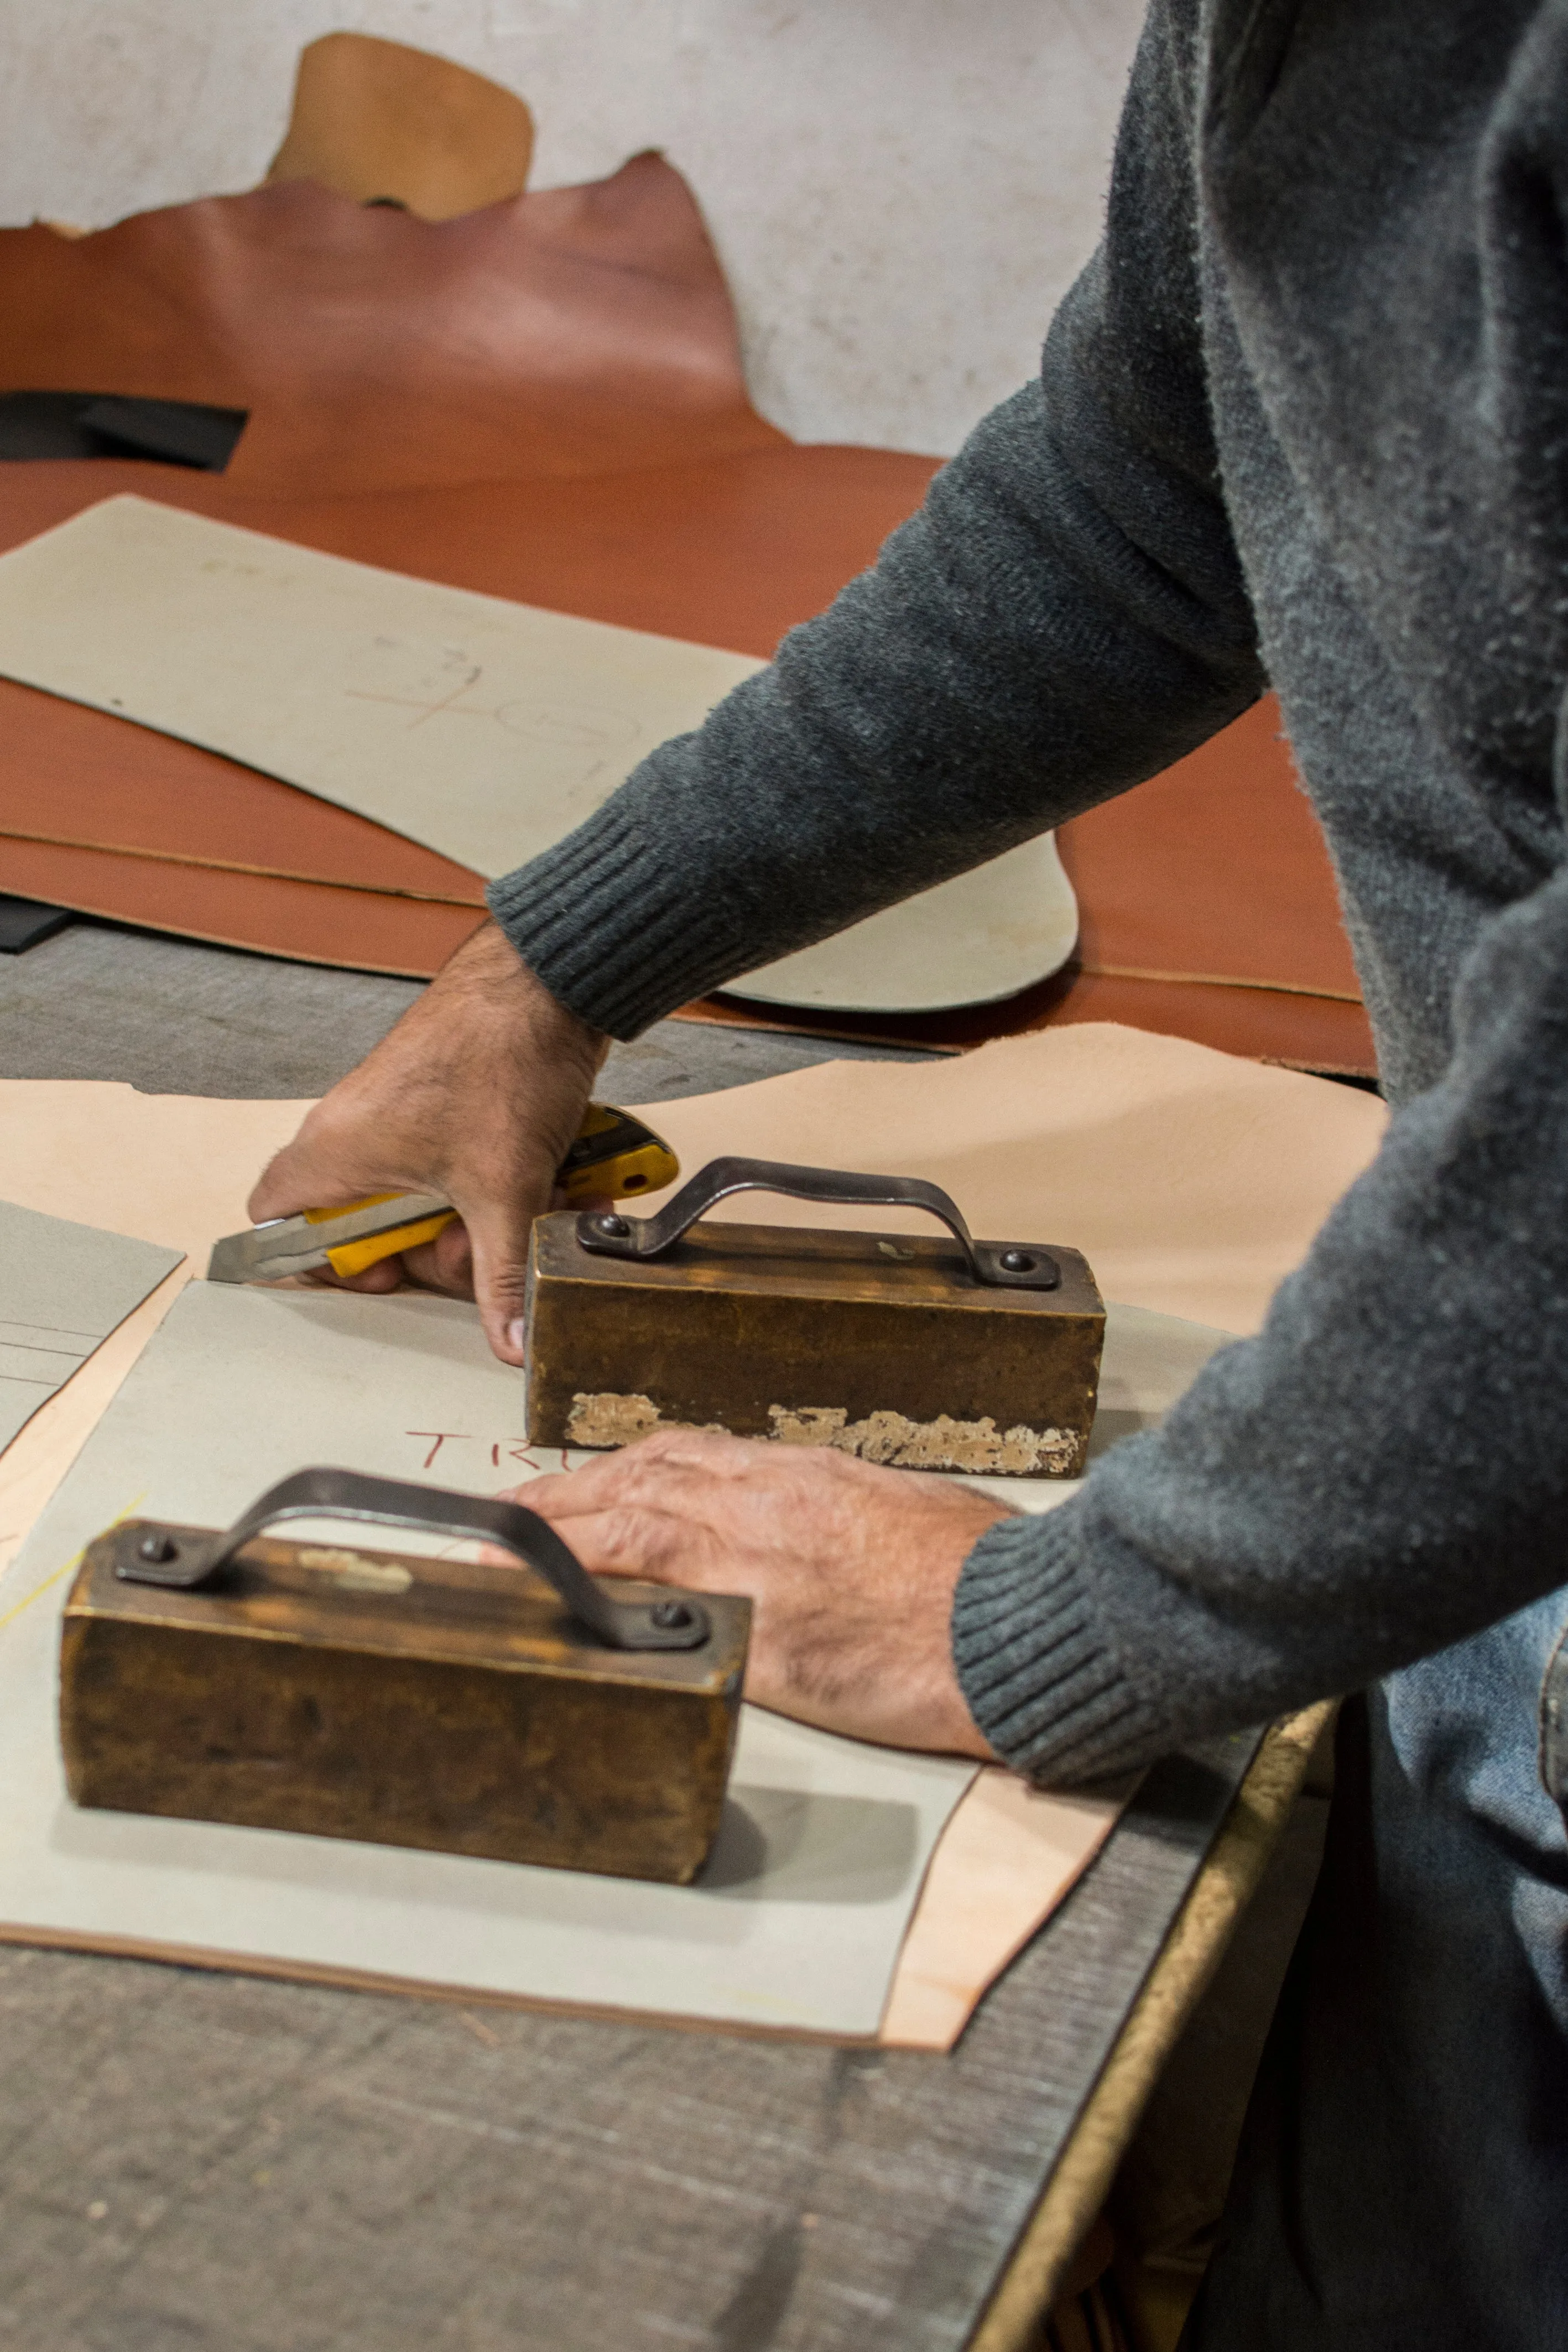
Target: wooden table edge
1081,2181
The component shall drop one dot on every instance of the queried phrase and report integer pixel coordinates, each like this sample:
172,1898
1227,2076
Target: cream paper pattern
484,728
801,1915
803,1907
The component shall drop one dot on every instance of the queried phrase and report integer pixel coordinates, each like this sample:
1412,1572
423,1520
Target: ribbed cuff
612,932
1031,1663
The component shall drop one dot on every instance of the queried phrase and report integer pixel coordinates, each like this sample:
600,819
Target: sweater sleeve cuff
610,929
1039,1680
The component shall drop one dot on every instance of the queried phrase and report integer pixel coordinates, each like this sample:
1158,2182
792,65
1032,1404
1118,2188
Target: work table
194,2159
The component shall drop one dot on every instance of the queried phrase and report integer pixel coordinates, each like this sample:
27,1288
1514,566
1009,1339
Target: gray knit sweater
1304,419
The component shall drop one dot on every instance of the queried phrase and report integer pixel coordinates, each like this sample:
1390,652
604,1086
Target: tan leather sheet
381,123
76,779
545,401
1194,1183
308,922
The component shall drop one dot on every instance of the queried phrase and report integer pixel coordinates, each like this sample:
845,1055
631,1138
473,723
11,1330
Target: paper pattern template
483,729
982,936
801,1919
63,1289
804,1905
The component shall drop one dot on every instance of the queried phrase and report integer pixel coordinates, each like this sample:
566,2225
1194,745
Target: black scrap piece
116,425
23,923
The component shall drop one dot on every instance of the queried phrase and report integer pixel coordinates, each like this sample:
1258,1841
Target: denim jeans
1403,2180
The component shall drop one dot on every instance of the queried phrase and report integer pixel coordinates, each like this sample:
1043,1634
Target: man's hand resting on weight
477,1094
851,1570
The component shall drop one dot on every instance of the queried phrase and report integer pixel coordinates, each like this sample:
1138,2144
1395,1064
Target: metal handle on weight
1001,1265
188,1558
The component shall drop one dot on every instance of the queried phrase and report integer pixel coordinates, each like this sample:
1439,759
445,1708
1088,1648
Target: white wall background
901,190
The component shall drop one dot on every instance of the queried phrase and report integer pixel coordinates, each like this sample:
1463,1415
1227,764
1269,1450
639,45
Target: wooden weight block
406,1701
925,1354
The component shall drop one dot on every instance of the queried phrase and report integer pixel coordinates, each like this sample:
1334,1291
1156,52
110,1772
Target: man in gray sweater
1303,421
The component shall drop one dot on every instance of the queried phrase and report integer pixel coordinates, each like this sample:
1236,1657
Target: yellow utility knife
614,1155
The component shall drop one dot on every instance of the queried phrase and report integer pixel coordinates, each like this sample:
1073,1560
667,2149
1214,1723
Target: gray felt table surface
172,1017
201,2163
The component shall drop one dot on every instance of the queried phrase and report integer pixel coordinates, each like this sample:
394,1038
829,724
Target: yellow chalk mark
49,1583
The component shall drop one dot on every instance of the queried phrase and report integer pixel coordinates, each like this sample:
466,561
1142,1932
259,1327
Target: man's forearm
1380,1472
921,727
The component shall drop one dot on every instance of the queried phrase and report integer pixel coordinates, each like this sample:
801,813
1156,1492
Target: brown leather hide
576,331
544,400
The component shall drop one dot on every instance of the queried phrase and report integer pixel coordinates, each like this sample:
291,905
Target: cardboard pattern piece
64,1287
1008,1853
1207,909
1196,1181
111,818
545,401
978,938
484,730
802,1910
798,1921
